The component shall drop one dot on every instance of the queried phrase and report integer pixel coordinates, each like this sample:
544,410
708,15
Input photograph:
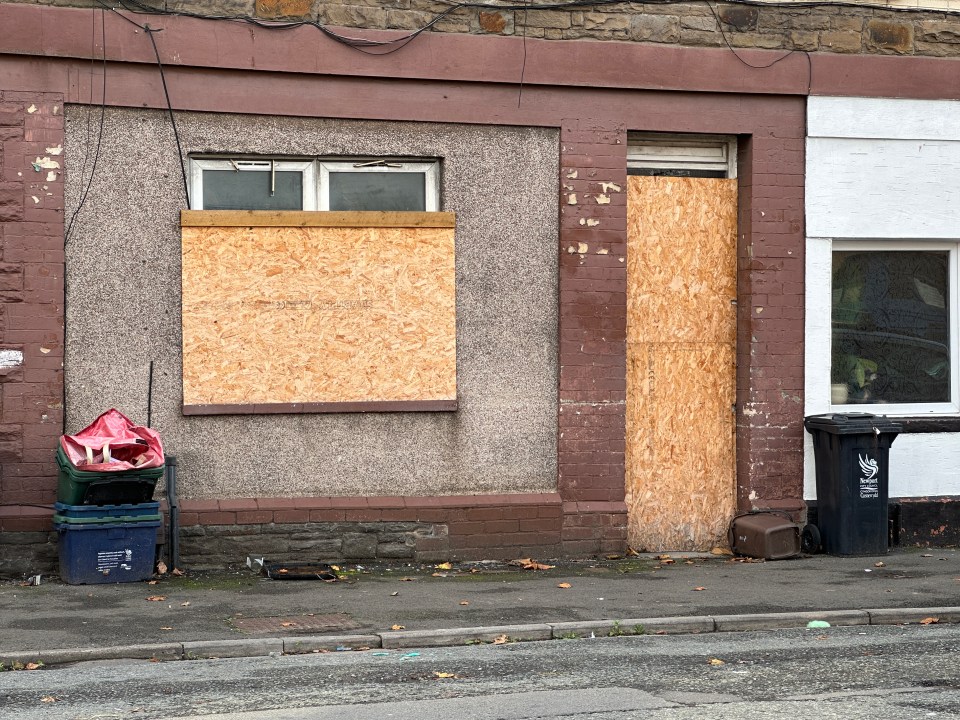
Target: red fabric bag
112,443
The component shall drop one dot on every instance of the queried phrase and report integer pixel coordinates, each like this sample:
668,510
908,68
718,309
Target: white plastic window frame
660,151
306,167
953,265
430,170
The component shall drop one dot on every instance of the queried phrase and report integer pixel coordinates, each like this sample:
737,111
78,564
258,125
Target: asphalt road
902,672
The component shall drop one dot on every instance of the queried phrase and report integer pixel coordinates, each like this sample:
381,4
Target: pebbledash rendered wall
123,301
456,94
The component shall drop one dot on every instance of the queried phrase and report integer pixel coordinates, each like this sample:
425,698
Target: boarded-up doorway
681,356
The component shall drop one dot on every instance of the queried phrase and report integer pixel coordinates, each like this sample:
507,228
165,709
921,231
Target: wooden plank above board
315,218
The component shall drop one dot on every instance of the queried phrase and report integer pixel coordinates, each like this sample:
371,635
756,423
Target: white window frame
380,165
242,164
657,151
953,266
316,175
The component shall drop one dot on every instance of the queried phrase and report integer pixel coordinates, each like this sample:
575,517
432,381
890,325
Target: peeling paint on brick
11,358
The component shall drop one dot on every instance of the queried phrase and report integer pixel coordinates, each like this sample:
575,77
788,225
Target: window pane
250,190
891,319
378,191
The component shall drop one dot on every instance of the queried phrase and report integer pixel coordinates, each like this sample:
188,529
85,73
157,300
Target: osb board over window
681,355
317,312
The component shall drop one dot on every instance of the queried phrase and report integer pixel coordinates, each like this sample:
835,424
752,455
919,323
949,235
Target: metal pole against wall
174,506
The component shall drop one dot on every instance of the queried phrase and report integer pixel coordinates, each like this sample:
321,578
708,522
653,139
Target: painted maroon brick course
31,298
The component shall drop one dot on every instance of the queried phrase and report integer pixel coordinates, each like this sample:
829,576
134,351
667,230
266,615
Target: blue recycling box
107,553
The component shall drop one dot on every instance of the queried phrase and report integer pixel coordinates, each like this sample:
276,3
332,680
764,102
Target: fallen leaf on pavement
531,564
151,582
717,661
926,555
394,594
631,552
930,621
185,604
287,624
33,666
564,585
721,551
879,564
614,557
157,598
161,568
699,588
444,675
407,579
177,571
444,566
464,602
48,698
440,574
396,627
689,562
501,640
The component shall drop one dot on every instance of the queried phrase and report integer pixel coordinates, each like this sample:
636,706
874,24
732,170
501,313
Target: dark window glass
891,319
250,190
378,191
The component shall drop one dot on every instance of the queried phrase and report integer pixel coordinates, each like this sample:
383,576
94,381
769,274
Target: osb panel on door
278,314
681,355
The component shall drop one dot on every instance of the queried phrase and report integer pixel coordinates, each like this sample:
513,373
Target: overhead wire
166,93
383,47
103,109
523,66
173,120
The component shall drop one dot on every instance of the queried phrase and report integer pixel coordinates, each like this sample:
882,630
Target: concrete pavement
235,613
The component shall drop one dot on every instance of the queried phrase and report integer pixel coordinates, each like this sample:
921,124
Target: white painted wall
878,169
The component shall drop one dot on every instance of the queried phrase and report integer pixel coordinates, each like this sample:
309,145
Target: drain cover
296,623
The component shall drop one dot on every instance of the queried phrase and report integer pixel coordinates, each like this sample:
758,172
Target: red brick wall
593,331
31,299
770,319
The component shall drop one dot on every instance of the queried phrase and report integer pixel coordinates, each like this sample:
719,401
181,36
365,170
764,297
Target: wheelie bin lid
855,423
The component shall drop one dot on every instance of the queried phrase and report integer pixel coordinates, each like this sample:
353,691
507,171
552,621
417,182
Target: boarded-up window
318,312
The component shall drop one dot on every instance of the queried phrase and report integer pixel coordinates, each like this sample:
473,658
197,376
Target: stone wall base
219,533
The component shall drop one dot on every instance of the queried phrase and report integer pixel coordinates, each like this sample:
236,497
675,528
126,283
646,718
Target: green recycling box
76,487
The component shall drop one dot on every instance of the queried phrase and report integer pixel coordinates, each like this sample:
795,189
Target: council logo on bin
869,482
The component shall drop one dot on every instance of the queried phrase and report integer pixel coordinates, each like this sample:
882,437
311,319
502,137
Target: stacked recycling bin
105,516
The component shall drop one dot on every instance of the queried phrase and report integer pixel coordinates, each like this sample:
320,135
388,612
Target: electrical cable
385,47
96,154
737,55
173,121
523,67
163,79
